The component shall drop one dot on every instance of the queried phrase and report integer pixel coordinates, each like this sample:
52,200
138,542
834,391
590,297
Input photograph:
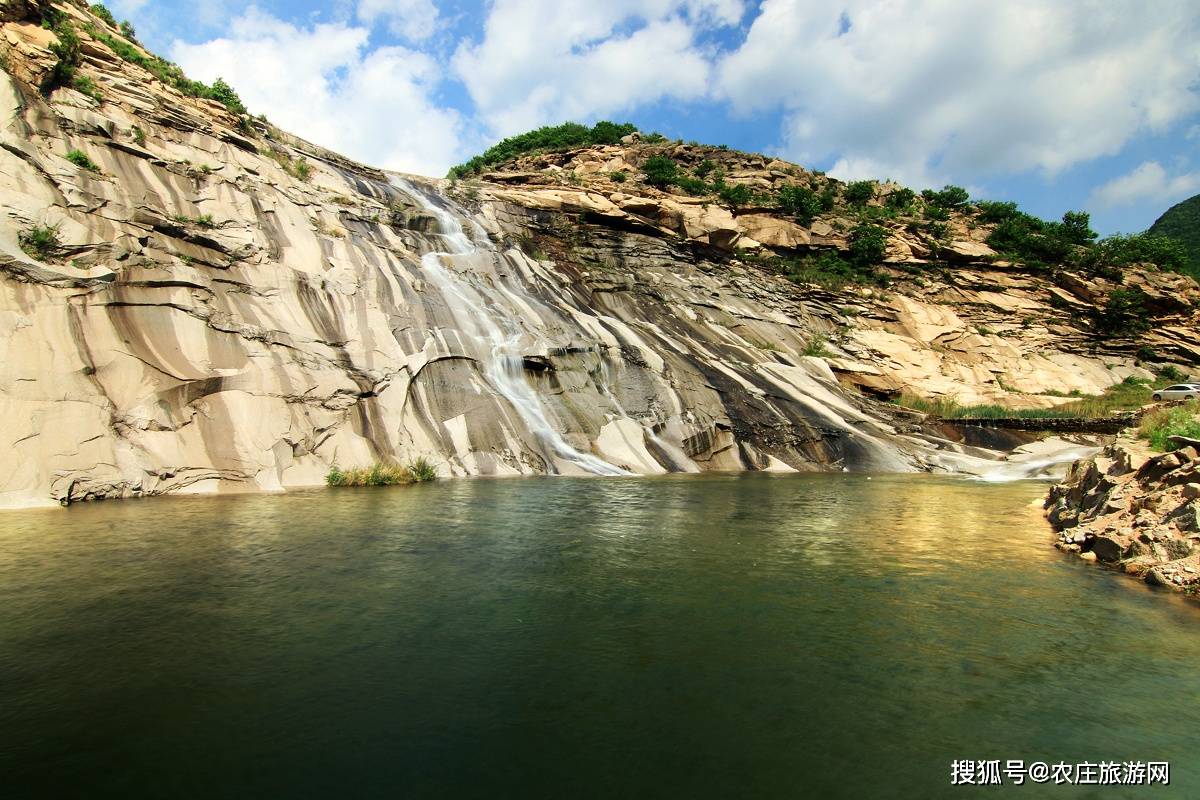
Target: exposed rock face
214,319
1130,508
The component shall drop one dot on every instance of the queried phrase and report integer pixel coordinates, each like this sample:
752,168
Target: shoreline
1133,511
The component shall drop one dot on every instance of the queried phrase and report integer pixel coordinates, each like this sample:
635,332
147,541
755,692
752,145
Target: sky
1056,104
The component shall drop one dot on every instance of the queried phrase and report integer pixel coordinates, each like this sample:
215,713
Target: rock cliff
1135,510
192,300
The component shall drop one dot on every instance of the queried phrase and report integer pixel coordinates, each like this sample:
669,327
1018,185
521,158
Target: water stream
501,358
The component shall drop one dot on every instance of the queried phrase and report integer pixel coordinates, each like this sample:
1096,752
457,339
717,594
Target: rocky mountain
192,300
1182,222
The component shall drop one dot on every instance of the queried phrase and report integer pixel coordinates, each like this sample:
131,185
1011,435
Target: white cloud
414,20
546,61
320,83
966,88
1147,182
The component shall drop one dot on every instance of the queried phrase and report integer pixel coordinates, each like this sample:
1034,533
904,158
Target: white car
1180,391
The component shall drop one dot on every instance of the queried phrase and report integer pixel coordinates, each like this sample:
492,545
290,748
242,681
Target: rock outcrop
1135,510
218,306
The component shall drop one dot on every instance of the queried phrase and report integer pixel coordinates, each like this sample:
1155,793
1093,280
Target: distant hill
1182,222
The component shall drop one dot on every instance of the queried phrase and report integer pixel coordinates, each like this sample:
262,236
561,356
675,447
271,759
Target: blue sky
1074,104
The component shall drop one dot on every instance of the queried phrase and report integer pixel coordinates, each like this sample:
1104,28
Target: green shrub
1158,426
860,192
617,177
168,73
815,346
66,50
828,270
40,241
736,194
301,168
223,93
421,471
901,198
992,212
103,13
139,136
1026,238
829,197
85,85
705,167
81,160
801,202
1138,248
660,171
693,186
548,138
936,213
382,474
950,197
127,30
1123,315
868,245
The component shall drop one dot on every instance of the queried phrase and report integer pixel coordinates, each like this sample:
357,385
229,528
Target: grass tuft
381,474
1158,426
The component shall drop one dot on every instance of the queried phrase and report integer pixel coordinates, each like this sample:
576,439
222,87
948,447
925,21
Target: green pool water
744,636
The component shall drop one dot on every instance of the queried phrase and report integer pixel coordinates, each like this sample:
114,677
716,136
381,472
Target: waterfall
1047,466
503,364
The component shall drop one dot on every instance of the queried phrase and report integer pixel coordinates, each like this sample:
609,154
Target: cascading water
502,362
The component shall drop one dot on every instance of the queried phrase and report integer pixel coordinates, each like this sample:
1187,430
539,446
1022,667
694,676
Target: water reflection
709,636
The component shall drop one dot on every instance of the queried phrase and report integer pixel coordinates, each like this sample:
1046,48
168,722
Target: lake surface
746,636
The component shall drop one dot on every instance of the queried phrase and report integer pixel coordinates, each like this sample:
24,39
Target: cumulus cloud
322,83
1149,181
934,89
543,61
414,20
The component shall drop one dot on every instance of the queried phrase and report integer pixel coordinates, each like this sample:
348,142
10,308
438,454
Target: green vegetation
548,138
40,241
815,346
165,71
951,198
1123,315
81,160
381,474
103,13
85,85
617,177
801,202
1158,425
1181,223
868,245
860,192
735,194
204,220
901,199
826,269
139,136
128,31
65,49
660,171
1129,395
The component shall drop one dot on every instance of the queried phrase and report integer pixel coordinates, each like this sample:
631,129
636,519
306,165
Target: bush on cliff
40,241
551,137
1123,314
